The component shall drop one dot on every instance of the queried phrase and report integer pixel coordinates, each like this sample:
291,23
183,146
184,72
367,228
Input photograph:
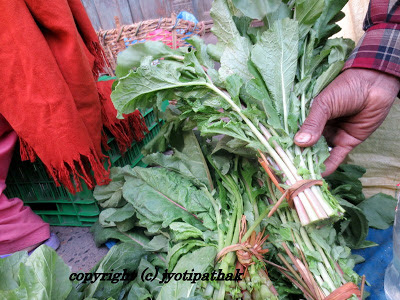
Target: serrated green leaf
234,59
276,55
224,27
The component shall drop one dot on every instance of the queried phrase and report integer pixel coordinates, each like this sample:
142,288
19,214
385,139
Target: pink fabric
20,227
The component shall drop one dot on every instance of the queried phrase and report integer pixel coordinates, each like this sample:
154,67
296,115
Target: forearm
379,48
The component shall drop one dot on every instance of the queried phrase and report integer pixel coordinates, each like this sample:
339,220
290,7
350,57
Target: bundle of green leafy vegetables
262,91
204,207
191,204
169,210
257,99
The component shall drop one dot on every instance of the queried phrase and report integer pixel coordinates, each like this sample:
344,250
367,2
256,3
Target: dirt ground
77,248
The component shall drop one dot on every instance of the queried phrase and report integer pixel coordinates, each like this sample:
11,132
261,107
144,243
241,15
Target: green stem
303,96
253,200
239,214
218,218
229,235
254,129
255,224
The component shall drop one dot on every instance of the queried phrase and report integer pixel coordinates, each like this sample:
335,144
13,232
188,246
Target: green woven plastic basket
31,183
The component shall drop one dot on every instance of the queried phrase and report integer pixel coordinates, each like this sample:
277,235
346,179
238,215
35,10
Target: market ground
77,248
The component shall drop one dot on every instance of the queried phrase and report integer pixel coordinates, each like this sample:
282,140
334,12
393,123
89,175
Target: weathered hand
348,111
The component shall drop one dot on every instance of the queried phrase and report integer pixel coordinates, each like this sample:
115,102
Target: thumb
312,128
336,157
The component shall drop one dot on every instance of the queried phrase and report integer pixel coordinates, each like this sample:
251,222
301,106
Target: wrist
379,81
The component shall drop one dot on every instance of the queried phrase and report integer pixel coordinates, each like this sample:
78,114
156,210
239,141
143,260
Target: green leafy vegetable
35,277
379,210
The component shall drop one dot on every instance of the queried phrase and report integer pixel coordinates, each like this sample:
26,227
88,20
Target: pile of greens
203,206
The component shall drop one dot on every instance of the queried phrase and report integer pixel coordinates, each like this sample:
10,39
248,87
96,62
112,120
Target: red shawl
50,59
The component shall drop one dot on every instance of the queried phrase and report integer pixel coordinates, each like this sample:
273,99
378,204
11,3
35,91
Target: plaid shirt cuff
378,49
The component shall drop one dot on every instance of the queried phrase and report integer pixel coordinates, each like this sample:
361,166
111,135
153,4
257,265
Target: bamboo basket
171,31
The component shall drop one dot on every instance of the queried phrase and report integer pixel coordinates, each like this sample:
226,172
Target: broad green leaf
236,50
132,56
224,27
180,249
9,269
234,146
242,24
126,225
15,294
135,237
234,59
190,163
138,293
199,260
345,182
139,88
123,256
231,128
355,231
308,11
339,49
163,196
294,115
247,171
158,243
257,9
275,56
367,244
121,214
215,51
256,89
191,60
184,231
104,216
323,26
327,76
233,85
154,286
380,210
42,274
201,51
111,195
222,163
284,11
173,124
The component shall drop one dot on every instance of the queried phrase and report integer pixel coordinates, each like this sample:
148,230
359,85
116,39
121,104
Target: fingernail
303,137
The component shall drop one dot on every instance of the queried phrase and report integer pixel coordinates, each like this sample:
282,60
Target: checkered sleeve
379,48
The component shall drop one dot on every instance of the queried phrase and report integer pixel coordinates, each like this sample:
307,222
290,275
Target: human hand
348,111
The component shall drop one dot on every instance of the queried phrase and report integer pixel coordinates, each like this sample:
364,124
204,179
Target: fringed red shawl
50,59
